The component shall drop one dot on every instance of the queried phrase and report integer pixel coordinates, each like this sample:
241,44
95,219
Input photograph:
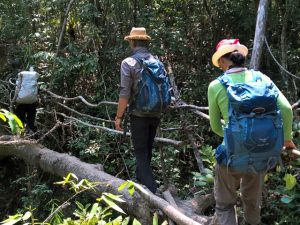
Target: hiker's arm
123,101
125,93
214,112
287,116
126,80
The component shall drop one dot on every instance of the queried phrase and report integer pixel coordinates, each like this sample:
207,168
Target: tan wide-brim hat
226,46
138,33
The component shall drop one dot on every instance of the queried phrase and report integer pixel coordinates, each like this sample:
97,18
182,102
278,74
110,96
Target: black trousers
27,113
143,130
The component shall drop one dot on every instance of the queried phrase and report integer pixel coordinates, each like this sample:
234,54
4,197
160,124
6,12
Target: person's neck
236,69
137,49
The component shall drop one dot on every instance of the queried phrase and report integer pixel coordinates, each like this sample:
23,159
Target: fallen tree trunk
61,164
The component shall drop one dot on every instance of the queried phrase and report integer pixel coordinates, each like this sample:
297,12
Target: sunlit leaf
12,219
114,197
12,125
278,169
113,205
266,178
2,116
26,216
94,209
126,221
74,176
131,189
18,121
290,181
122,186
135,222
155,219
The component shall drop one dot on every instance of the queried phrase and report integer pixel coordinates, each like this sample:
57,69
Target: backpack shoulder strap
257,75
148,70
225,80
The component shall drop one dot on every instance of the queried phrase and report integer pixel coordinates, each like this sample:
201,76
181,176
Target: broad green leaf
2,116
114,197
117,221
131,189
209,178
136,222
94,209
80,184
278,169
12,125
26,216
12,219
200,183
290,181
126,221
19,122
74,176
113,205
155,219
266,178
122,186
286,199
79,205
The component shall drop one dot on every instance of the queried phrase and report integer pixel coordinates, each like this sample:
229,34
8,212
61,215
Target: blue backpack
153,95
254,134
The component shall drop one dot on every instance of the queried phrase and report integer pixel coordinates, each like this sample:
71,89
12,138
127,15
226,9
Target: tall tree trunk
63,27
135,12
259,34
283,46
284,50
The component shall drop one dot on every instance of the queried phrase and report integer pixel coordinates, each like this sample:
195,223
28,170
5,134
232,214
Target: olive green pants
227,181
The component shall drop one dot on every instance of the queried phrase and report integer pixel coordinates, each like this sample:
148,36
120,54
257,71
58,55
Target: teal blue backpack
254,134
153,88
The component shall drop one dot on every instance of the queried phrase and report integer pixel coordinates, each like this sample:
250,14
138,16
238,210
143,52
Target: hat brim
137,37
227,49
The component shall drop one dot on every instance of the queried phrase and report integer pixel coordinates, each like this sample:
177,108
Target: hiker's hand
289,145
118,124
295,105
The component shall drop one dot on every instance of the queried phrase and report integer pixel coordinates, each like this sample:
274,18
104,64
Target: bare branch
81,99
157,139
83,114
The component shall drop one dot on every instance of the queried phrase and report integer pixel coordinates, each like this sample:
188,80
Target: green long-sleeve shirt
218,104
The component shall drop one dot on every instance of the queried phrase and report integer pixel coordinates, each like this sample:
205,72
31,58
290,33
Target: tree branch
79,98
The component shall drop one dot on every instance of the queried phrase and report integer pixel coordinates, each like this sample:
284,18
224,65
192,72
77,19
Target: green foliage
15,124
183,32
208,156
204,180
283,200
17,218
90,214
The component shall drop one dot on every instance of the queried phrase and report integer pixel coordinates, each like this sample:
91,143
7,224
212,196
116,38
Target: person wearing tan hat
230,57
143,126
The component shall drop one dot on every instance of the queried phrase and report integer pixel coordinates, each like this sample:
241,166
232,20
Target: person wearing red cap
230,57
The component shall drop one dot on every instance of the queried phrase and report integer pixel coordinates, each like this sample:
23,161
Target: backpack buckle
259,110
